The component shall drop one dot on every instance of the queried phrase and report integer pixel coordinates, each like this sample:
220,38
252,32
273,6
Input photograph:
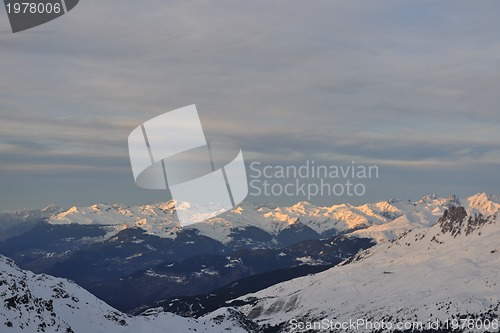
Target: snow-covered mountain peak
34,303
403,215
42,303
436,200
51,209
429,198
394,200
483,203
303,207
482,197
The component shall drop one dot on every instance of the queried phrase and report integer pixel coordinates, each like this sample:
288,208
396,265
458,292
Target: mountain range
272,267
448,273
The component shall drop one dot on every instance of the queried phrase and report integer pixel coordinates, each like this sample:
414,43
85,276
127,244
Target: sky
409,86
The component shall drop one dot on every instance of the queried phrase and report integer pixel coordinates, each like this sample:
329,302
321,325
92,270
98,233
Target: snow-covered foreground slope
448,270
381,220
41,303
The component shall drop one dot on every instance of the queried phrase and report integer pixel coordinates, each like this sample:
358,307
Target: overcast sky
410,86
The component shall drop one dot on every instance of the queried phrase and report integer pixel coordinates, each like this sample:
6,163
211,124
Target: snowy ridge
9,219
41,303
381,220
448,270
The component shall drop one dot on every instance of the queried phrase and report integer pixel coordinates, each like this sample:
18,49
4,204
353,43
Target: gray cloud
400,84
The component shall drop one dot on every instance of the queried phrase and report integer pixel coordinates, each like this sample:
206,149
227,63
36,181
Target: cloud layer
410,86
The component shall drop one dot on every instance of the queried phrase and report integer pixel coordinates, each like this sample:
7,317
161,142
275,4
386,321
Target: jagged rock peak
456,221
